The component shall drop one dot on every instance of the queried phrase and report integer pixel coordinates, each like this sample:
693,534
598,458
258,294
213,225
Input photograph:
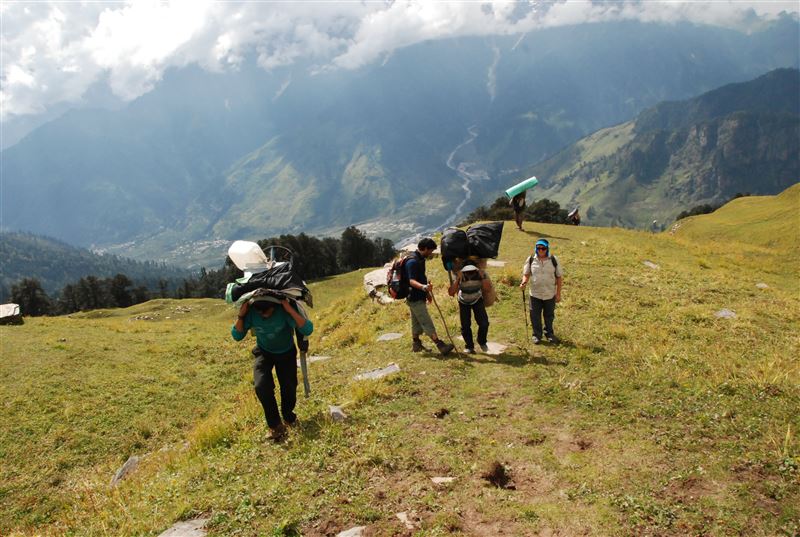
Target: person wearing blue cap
544,274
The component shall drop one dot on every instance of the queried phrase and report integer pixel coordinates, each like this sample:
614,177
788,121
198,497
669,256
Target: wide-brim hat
468,268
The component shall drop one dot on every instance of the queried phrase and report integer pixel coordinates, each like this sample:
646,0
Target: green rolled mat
522,187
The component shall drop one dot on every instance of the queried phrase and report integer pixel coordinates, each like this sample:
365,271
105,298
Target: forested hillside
54,264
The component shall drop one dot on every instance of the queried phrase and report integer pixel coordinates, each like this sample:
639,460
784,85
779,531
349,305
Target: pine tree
31,298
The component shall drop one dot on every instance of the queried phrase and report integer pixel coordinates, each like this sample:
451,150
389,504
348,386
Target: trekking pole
453,343
524,313
304,369
302,343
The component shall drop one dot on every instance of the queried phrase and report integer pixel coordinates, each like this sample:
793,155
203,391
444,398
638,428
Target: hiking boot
278,433
536,340
484,347
553,339
292,424
444,348
469,350
416,346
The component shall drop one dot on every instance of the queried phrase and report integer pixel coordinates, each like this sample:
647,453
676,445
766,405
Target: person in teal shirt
274,325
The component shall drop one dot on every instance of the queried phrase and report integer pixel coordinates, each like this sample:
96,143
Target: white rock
442,480
650,264
495,348
390,336
762,285
403,517
378,373
130,465
725,314
187,528
336,413
496,263
358,531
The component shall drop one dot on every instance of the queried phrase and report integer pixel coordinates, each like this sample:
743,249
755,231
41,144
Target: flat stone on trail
442,480
378,373
187,528
336,413
762,285
496,263
650,264
725,314
358,531
403,517
495,348
390,336
130,465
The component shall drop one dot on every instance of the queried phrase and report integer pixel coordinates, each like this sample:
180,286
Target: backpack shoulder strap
554,261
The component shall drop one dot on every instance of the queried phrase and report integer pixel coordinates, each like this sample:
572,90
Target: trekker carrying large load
418,297
274,330
545,276
470,284
272,299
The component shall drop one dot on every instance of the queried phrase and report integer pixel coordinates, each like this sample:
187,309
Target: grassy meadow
653,417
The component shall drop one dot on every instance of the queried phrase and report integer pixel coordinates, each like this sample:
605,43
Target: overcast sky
53,51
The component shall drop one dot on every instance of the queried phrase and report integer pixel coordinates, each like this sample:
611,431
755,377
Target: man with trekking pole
543,272
420,294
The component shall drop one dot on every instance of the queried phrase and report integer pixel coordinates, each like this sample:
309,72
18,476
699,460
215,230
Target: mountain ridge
155,176
677,155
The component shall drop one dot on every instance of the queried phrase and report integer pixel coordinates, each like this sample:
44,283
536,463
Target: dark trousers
546,307
481,319
286,368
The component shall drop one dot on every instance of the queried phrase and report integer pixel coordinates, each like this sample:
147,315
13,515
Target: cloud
53,52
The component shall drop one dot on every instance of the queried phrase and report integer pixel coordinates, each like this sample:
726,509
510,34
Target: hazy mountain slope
209,156
56,264
740,138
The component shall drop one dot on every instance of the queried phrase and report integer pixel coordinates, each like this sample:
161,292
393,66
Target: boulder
10,314
375,285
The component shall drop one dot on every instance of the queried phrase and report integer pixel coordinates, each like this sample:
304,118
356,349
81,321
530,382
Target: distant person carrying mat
544,273
274,325
518,204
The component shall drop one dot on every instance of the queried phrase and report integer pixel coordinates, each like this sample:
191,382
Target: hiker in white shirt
544,274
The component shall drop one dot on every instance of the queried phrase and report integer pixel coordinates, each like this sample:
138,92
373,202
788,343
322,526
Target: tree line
543,210
313,258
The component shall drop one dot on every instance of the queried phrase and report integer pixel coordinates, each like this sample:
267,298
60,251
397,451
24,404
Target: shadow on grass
311,427
514,359
545,235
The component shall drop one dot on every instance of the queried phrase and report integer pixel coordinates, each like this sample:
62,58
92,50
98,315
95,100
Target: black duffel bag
277,278
454,245
484,239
